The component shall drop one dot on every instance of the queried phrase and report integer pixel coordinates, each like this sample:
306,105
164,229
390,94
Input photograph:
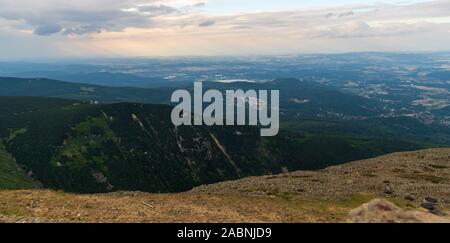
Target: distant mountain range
298,98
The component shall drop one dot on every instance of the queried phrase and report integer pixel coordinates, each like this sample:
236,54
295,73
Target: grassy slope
11,176
51,206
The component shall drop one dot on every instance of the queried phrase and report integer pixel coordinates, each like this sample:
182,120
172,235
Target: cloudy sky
146,28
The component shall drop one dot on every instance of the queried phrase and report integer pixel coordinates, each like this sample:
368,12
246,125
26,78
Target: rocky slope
412,175
417,183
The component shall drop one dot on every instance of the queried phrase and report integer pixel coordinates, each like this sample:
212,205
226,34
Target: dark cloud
346,14
340,15
200,4
48,29
80,30
207,23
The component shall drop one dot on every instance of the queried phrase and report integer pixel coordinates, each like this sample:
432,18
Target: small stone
388,190
411,197
432,200
428,205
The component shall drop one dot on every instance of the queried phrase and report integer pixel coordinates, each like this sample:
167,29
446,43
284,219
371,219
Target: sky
155,28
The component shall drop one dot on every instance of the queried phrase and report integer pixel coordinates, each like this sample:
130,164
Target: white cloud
47,17
177,27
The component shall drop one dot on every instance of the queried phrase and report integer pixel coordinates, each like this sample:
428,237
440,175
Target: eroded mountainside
88,148
414,181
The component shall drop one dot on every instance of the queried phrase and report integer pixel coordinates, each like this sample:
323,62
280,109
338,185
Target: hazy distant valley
407,84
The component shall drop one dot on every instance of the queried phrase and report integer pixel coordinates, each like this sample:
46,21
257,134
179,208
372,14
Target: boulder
382,211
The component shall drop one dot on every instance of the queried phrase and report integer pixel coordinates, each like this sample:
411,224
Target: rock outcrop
382,211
